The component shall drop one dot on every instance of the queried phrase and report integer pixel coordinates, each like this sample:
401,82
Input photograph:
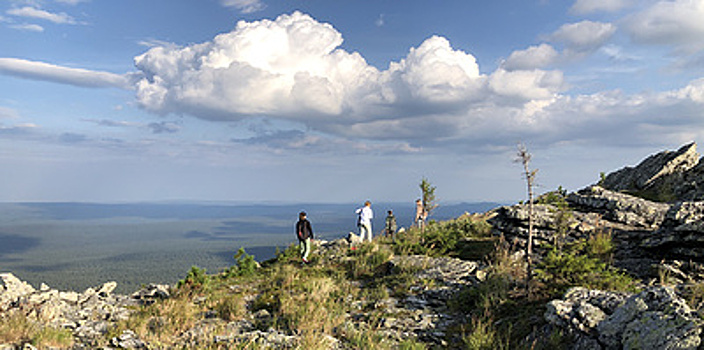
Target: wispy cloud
28,27
583,7
36,13
72,2
72,76
8,113
245,6
380,21
163,127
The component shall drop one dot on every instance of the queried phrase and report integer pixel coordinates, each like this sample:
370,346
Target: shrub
442,238
195,279
367,259
584,263
162,322
483,336
231,307
245,265
17,328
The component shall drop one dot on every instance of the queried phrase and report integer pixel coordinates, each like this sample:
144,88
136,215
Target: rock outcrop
650,234
421,312
655,215
656,318
664,176
88,314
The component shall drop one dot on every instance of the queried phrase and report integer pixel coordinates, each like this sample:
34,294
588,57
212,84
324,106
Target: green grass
312,300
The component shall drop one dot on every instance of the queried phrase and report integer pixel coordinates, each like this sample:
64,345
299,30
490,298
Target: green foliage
602,178
428,196
483,298
442,238
245,265
50,337
411,344
18,328
195,279
557,197
663,194
289,255
368,258
561,212
600,246
583,263
483,336
161,323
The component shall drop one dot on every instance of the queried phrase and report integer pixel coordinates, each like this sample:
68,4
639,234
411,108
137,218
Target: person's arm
310,230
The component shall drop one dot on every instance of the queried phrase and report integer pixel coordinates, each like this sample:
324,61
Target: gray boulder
12,290
634,212
655,318
681,234
512,222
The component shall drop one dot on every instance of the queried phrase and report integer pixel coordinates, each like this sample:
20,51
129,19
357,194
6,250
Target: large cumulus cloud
293,67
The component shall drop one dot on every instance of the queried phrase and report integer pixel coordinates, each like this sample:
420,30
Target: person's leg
306,251
368,228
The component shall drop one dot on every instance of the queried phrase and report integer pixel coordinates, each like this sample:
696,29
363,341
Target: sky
338,101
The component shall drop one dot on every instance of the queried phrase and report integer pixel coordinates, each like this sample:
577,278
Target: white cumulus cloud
679,23
539,56
292,67
584,36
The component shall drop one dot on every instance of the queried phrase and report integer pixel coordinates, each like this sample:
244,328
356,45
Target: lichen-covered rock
657,175
681,233
513,223
12,289
653,319
618,207
581,310
656,318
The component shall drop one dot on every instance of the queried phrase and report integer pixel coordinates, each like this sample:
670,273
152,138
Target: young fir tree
428,193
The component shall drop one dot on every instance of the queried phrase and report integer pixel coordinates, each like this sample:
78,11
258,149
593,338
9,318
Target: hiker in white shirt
364,221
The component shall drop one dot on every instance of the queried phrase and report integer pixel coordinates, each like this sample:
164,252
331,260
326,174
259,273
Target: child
304,232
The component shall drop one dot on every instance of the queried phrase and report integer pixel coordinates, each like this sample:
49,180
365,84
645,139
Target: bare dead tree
524,158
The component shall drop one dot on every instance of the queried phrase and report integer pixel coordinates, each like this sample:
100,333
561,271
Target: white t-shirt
365,215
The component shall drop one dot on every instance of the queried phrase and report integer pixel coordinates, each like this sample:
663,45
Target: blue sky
338,101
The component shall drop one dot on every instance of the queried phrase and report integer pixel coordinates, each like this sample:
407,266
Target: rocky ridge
653,211
422,314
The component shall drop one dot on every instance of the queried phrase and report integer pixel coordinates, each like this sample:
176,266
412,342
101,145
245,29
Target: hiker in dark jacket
304,232
390,225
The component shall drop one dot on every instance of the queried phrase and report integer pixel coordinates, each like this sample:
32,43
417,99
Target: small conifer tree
524,158
428,193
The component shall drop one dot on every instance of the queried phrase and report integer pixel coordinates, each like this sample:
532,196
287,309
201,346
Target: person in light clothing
421,214
364,221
